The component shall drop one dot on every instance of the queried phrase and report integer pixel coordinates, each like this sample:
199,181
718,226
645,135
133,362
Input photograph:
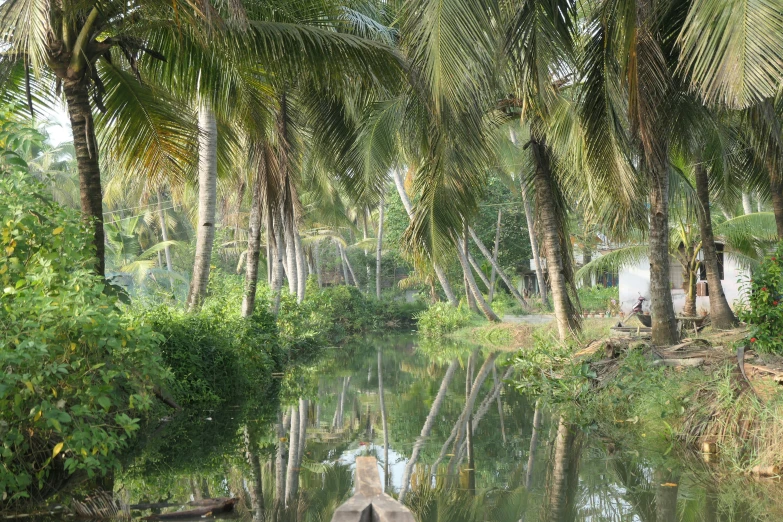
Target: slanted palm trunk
471,283
565,313
253,250
378,248
441,275
502,273
664,327
467,411
721,315
493,273
207,198
86,147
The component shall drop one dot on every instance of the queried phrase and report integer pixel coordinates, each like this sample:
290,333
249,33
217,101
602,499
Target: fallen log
693,362
210,510
766,471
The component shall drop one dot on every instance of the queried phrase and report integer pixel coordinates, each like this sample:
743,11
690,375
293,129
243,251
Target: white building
635,281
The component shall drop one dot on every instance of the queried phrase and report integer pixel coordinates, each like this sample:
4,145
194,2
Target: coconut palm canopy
272,130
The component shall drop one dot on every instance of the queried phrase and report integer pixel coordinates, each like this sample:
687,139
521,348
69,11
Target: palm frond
731,50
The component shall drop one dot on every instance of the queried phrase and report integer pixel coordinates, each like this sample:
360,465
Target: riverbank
697,392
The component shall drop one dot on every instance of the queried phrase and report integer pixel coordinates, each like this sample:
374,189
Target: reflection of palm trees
459,427
533,444
564,475
427,428
337,422
383,419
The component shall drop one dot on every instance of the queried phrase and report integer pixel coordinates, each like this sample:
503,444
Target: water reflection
453,441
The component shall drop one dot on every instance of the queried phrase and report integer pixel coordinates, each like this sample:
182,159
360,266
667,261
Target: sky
59,128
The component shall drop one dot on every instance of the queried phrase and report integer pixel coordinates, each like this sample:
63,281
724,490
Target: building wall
636,280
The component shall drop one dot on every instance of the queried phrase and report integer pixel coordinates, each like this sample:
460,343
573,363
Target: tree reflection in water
440,444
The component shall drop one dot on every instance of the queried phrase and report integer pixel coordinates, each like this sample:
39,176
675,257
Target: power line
131,217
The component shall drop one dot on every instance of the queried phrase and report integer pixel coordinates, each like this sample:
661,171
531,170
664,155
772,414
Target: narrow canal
498,459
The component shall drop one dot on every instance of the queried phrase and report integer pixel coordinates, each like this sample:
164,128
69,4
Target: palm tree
207,201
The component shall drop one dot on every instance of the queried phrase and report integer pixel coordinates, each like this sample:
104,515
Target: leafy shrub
442,318
76,373
764,306
215,355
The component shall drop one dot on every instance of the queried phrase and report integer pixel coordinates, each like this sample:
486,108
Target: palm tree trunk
253,250
378,247
290,253
301,266
493,273
747,204
689,309
500,271
478,270
565,314
86,146
346,277
776,191
441,275
721,315
164,233
207,198
348,265
273,223
383,420
471,283
664,326
317,261
293,454
427,428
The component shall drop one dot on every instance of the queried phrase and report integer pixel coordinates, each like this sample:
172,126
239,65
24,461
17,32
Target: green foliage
331,315
547,368
764,310
77,374
442,318
598,298
215,355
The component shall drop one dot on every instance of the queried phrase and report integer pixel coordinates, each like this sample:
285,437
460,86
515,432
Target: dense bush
764,307
442,318
76,373
214,354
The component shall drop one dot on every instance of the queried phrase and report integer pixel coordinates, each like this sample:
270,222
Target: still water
488,454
